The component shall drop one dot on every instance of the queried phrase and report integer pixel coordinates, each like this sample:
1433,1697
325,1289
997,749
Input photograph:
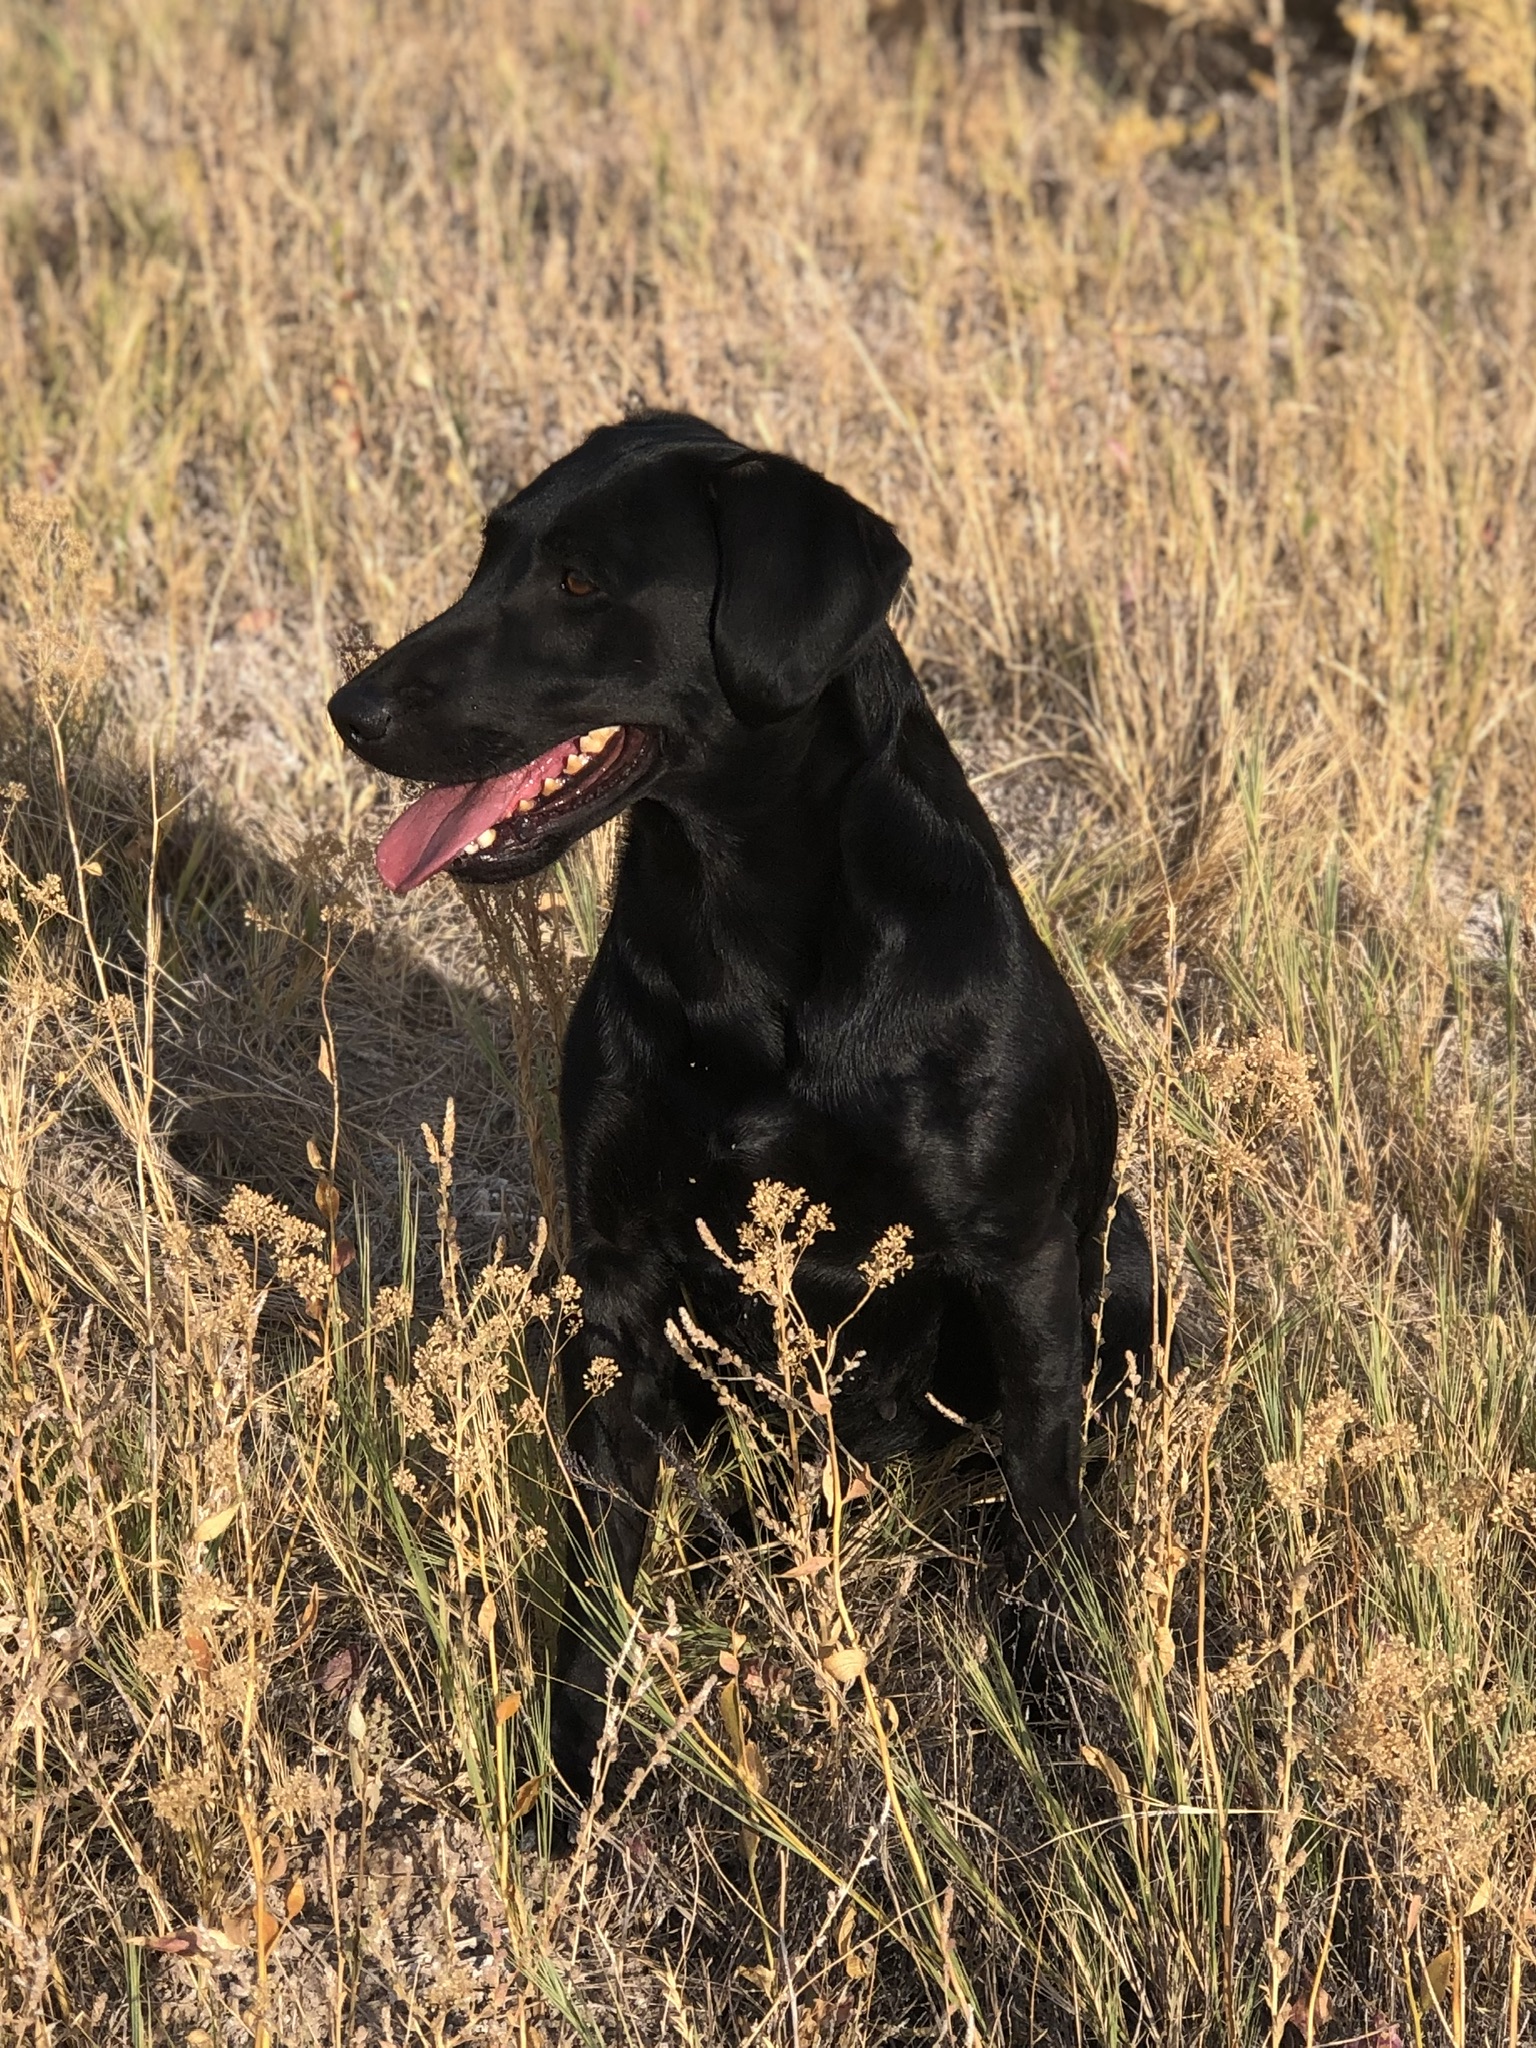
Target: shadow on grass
257,962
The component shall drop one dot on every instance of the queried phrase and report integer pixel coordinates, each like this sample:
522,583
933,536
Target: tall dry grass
1211,435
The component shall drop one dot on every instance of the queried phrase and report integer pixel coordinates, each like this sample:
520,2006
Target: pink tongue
438,826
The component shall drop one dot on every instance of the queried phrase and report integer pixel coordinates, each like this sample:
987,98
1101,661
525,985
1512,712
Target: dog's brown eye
574,584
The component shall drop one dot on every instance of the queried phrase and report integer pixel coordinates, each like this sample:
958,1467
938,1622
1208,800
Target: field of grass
1210,423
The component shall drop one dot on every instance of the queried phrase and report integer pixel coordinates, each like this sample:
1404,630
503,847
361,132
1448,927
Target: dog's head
651,589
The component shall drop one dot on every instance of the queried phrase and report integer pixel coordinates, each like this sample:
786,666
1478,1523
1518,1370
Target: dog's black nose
361,715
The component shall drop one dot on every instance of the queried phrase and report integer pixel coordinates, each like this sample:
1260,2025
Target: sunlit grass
1222,540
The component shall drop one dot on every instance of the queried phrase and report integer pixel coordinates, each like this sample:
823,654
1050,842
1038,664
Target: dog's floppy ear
805,573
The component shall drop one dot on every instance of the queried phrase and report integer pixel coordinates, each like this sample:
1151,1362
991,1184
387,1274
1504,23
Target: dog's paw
1034,1621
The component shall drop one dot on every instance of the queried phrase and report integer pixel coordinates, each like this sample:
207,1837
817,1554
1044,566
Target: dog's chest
684,1090
719,1115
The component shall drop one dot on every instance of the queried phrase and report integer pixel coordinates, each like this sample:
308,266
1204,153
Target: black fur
817,970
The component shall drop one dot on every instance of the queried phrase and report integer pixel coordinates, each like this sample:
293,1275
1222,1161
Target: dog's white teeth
487,838
593,742
574,763
551,784
527,804
472,846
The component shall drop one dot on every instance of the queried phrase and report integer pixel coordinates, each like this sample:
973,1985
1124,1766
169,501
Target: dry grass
1215,460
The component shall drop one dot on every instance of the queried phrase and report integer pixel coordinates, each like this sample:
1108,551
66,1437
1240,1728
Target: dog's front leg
1034,1318
614,1434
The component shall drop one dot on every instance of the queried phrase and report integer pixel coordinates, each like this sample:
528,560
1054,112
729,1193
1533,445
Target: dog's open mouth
494,830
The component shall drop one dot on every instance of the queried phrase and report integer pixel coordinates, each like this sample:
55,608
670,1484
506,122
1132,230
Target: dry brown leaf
357,1722
753,1769
856,1965
731,1714
238,1930
310,1615
268,1928
808,1567
186,1941
1105,1763
749,1758
823,2019
844,1665
526,1794
485,1620
200,1651
212,1527
1303,2015
1439,1978
293,1905
506,1707
339,1672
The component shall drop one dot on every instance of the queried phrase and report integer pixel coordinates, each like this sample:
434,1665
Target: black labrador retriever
817,969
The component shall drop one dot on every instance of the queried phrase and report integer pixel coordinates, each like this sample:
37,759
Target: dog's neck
762,805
